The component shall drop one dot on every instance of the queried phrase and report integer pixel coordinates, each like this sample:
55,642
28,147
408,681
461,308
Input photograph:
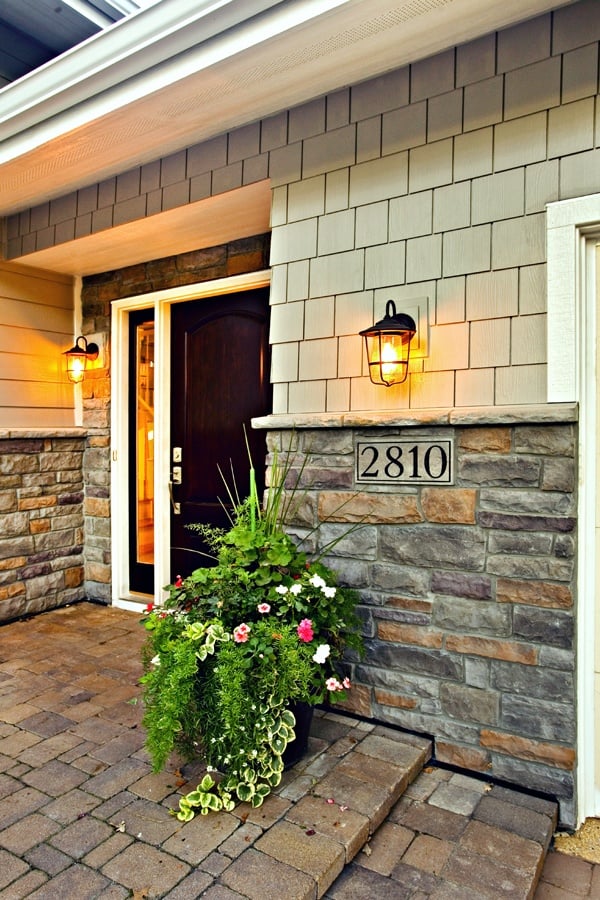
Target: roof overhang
177,73
168,77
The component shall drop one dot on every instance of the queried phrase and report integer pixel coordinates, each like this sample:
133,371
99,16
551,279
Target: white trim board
572,230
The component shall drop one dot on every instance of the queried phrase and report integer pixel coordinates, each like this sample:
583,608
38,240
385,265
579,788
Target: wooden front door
219,382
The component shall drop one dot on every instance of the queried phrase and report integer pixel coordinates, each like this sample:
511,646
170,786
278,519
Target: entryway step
326,809
454,837
366,814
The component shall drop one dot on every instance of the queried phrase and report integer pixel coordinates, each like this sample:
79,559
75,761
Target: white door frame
161,302
573,229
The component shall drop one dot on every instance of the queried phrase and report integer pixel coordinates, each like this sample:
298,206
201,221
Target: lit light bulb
389,360
76,370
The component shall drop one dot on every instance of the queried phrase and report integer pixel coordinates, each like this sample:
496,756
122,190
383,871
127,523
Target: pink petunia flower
240,633
263,608
332,684
346,683
305,631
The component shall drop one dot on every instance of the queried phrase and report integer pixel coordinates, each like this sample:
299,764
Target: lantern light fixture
387,344
78,357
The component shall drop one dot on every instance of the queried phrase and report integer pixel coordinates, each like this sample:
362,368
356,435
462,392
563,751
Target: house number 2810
404,462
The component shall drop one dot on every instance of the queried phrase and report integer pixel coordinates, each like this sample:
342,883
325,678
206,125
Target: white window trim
161,301
572,230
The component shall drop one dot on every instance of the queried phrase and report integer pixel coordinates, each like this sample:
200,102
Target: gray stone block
472,616
544,626
460,701
538,718
530,681
414,660
449,546
462,584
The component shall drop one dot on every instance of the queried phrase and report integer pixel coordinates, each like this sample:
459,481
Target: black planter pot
296,749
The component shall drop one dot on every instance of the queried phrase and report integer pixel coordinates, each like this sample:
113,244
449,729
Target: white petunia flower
321,653
295,589
317,581
281,589
328,591
155,661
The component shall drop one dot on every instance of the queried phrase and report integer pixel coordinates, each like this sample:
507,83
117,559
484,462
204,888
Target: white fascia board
148,51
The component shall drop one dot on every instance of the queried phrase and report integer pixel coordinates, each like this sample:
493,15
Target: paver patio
83,816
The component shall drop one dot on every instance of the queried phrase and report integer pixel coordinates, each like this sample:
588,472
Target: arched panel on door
219,382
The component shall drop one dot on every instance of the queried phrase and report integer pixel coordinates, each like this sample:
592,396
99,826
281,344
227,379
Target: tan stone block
410,603
358,701
96,506
510,651
337,506
98,572
100,388
12,590
534,593
526,748
37,502
102,440
463,757
449,505
485,440
39,526
13,562
8,501
388,698
410,634
74,576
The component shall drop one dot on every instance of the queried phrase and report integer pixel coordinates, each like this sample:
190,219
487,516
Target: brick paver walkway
82,816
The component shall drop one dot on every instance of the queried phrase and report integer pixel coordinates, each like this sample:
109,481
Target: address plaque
394,462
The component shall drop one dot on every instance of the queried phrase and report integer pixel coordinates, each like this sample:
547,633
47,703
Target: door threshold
134,602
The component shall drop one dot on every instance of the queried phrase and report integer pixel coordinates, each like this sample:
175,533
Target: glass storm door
141,451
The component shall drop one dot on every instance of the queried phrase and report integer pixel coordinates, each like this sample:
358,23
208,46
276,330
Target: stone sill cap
20,433
538,414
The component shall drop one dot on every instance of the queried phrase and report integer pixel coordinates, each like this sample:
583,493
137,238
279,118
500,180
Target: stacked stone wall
98,292
466,593
41,522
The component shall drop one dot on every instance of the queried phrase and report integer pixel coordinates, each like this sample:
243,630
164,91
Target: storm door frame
161,301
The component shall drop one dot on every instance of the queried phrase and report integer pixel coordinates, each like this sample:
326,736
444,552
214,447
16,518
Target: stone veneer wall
466,593
98,292
41,520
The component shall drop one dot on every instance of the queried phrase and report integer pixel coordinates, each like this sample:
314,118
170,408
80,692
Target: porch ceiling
217,220
167,78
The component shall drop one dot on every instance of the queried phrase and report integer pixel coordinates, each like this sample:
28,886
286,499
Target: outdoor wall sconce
387,343
78,357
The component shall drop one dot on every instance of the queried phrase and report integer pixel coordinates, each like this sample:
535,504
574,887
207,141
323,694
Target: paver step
366,814
326,809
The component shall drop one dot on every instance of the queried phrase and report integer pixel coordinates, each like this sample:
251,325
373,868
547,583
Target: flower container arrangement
237,645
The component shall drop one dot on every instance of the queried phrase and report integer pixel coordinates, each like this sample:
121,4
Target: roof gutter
136,56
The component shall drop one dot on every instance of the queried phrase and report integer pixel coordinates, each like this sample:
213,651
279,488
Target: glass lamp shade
387,345
77,358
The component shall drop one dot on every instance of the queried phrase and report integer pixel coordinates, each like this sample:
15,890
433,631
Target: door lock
176,474
176,454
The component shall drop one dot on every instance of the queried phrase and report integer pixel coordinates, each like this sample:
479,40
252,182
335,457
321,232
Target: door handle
174,503
176,474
